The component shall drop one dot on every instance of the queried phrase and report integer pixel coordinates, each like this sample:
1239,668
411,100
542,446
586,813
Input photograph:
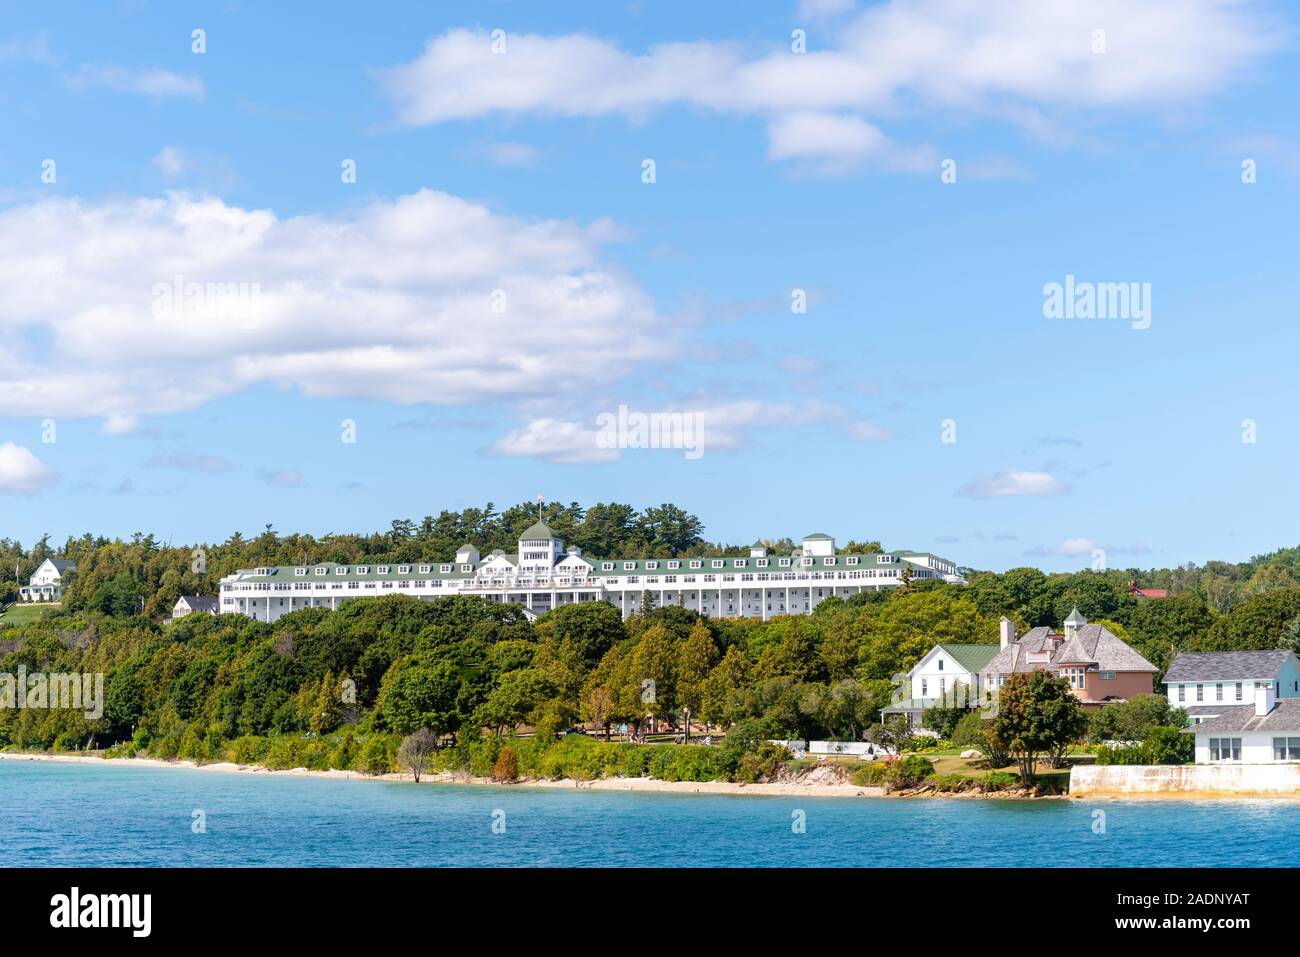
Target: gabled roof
1091,645
199,602
62,564
971,657
537,532
1285,717
1227,665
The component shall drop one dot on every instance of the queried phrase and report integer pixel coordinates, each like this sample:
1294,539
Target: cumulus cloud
1018,60
706,426
1015,482
128,307
21,472
143,81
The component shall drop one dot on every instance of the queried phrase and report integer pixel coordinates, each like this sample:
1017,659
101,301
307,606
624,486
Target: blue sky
1112,157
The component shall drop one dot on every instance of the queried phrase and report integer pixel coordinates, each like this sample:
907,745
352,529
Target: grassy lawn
21,614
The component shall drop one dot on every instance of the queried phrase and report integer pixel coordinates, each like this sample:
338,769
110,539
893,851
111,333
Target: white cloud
22,472
712,426
1018,60
837,142
567,443
171,161
393,301
30,47
120,425
1074,547
145,81
1016,482
285,478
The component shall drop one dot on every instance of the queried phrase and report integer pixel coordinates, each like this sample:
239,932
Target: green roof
817,536
537,532
972,657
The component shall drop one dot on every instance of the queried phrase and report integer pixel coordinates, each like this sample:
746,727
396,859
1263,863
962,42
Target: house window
1238,690
1225,749
363,569
941,664
1286,749
607,566
1106,675
425,569
651,566
852,561
1218,691
1182,693
1200,692
320,571
923,687
717,563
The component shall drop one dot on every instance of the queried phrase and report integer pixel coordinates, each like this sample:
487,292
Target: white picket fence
859,749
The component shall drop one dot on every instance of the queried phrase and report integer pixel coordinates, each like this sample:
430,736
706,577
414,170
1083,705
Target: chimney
1265,698
1006,631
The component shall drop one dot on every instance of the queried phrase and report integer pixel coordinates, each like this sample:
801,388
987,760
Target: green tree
1036,714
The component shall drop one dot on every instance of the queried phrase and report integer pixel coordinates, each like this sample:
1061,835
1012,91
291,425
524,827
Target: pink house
1099,666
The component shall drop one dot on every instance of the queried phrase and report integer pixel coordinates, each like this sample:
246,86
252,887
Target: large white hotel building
543,575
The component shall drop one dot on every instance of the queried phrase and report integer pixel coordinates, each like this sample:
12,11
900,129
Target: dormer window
363,569
651,566
607,566
320,571
629,566
445,569
425,569
851,560
403,569
717,563
467,567
830,561
300,571
383,569
783,562
342,569
742,562
674,564
761,562
696,563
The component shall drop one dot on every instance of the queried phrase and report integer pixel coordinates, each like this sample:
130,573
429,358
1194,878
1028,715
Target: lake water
119,815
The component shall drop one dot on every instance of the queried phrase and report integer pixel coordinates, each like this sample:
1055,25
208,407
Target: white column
762,595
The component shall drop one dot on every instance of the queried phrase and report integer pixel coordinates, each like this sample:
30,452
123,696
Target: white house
1264,732
46,583
543,575
946,673
1210,683
193,604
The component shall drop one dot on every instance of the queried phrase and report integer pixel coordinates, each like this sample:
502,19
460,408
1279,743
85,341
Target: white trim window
1225,749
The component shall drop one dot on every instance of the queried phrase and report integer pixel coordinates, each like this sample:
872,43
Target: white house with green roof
947,673
542,574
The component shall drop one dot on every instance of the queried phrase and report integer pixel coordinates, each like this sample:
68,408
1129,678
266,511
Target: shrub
762,763
506,767
1166,745
924,743
377,755
873,775
249,749
1000,780
969,732
345,754
909,771
954,783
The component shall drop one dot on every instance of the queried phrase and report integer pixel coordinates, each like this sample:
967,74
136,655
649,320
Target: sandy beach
811,789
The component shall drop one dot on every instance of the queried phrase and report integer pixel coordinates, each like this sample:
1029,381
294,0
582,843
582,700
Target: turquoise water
119,815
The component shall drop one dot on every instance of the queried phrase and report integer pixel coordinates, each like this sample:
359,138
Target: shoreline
650,785
816,789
